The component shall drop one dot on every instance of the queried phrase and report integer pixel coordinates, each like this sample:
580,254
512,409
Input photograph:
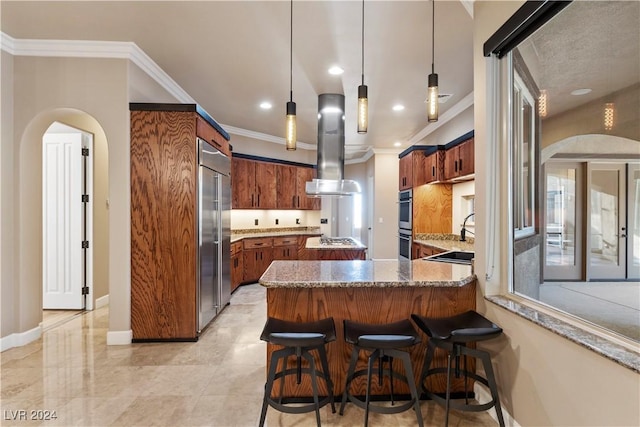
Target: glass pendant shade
291,130
432,98
363,109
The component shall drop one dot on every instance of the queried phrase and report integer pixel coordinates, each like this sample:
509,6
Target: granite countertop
445,242
315,243
237,235
370,273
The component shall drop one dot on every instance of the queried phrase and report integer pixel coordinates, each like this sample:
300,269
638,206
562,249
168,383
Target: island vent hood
330,181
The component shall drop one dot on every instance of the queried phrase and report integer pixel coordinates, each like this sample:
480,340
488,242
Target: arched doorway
32,213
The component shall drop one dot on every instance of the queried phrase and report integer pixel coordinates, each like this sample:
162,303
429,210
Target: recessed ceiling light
265,105
579,92
398,107
335,70
397,144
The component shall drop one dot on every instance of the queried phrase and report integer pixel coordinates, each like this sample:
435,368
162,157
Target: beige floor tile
217,381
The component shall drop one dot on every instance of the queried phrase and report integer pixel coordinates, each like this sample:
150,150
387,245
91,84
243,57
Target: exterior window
523,159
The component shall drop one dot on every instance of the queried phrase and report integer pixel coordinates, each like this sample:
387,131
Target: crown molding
265,137
445,117
95,49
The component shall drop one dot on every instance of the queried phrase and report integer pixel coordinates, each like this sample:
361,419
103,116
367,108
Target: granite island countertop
445,242
369,273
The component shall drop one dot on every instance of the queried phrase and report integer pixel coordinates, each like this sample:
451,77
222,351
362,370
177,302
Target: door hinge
85,244
85,290
85,198
85,152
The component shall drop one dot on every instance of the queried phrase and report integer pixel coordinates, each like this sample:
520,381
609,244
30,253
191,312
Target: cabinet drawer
285,241
265,242
236,248
205,131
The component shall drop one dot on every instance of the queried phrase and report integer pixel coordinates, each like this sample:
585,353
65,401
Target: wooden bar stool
384,342
453,334
298,339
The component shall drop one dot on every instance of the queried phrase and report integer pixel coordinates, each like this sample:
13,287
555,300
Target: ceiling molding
264,137
96,49
445,117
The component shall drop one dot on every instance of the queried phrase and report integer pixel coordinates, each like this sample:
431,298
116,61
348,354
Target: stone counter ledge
357,273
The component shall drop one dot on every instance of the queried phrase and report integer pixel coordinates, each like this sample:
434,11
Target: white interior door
63,222
606,227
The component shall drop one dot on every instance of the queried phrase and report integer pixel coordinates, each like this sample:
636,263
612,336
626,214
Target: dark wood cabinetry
257,255
285,248
164,240
290,184
237,265
412,170
459,160
253,184
434,167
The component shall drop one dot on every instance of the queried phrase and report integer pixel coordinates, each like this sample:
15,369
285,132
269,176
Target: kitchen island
371,292
333,248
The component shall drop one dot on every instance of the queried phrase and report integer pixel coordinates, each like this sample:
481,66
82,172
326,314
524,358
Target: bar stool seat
453,334
298,339
385,342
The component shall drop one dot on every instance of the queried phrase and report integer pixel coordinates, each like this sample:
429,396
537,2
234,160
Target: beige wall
272,150
8,290
385,206
97,87
453,129
543,378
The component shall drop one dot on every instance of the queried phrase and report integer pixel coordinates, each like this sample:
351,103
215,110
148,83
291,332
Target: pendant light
290,128
432,91
363,102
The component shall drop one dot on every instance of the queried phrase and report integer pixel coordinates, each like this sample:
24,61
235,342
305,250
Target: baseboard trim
119,337
102,301
20,339
483,395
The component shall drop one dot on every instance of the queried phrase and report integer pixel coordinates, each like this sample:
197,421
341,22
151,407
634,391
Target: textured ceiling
230,56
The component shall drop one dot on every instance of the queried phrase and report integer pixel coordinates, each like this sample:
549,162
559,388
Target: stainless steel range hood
330,181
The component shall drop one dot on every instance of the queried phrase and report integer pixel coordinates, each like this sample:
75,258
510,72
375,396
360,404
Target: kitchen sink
455,257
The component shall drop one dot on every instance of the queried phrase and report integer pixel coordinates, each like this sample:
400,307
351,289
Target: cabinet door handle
298,201
258,199
433,171
256,256
293,200
460,165
252,200
258,244
455,166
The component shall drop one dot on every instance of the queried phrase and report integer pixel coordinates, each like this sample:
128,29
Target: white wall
459,210
385,216
543,379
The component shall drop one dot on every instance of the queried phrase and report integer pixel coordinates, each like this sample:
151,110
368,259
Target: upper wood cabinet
412,170
253,184
434,166
459,160
267,185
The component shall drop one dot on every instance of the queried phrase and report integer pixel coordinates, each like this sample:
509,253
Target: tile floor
217,381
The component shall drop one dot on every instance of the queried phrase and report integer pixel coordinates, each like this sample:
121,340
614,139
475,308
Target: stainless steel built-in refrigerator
214,209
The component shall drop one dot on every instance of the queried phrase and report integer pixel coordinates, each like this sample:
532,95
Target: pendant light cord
363,42
291,55
433,36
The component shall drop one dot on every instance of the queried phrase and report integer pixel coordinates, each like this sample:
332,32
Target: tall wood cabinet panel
406,172
287,187
163,225
304,201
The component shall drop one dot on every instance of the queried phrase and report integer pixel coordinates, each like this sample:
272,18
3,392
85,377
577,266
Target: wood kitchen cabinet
164,239
434,167
237,265
253,184
257,254
285,248
412,170
291,182
459,160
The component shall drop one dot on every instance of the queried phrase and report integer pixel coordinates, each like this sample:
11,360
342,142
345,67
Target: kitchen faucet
463,231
